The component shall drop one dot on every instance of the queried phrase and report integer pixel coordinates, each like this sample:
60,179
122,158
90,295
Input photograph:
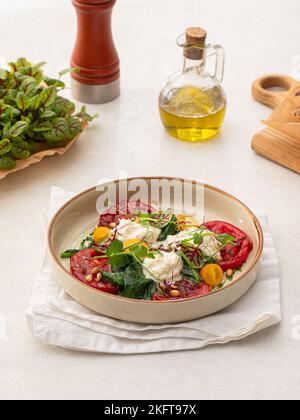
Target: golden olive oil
192,114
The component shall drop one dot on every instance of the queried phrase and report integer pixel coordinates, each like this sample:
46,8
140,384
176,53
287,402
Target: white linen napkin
56,319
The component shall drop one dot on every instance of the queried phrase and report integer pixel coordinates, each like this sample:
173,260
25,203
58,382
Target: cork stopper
195,43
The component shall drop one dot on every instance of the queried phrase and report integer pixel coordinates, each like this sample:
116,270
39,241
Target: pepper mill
98,77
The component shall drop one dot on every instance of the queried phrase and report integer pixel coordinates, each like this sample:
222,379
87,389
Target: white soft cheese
128,229
166,266
210,246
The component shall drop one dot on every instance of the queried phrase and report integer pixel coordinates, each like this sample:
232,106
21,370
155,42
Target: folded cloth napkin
56,319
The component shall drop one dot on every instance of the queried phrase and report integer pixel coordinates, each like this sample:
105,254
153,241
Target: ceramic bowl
80,213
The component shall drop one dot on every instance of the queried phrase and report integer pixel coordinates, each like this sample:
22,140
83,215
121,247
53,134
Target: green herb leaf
136,284
115,278
5,147
119,262
67,71
87,243
226,239
48,96
7,162
139,251
69,253
20,149
116,247
22,101
150,290
48,114
171,228
18,129
3,74
28,84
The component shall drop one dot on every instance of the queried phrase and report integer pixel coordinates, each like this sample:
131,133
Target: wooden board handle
262,93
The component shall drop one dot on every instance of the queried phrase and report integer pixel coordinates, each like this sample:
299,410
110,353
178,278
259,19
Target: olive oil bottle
193,103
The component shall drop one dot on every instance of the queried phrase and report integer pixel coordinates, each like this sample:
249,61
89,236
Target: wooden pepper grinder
95,55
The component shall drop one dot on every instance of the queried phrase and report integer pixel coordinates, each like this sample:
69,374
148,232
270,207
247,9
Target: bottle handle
219,52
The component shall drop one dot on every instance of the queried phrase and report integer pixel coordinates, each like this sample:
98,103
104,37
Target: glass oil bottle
193,103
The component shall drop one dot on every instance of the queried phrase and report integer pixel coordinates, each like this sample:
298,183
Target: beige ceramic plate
80,214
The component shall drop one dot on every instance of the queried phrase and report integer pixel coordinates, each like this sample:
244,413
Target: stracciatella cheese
165,266
128,229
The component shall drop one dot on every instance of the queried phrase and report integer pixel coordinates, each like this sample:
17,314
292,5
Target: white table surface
260,36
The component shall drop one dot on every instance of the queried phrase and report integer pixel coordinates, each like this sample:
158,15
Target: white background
260,37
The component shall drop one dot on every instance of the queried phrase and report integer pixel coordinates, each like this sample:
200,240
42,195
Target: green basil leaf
119,262
5,147
139,251
7,162
116,247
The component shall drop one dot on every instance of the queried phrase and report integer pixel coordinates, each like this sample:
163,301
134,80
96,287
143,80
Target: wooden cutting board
279,143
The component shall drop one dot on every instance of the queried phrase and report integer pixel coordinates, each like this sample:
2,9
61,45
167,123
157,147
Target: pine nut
175,293
89,278
174,287
96,270
113,225
99,277
229,273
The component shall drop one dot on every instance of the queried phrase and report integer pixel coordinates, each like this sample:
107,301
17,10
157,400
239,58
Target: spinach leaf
188,273
137,286
115,278
150,290
171,228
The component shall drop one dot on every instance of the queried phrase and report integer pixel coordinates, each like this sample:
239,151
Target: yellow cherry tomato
101,234
132,242
212,274
187,222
